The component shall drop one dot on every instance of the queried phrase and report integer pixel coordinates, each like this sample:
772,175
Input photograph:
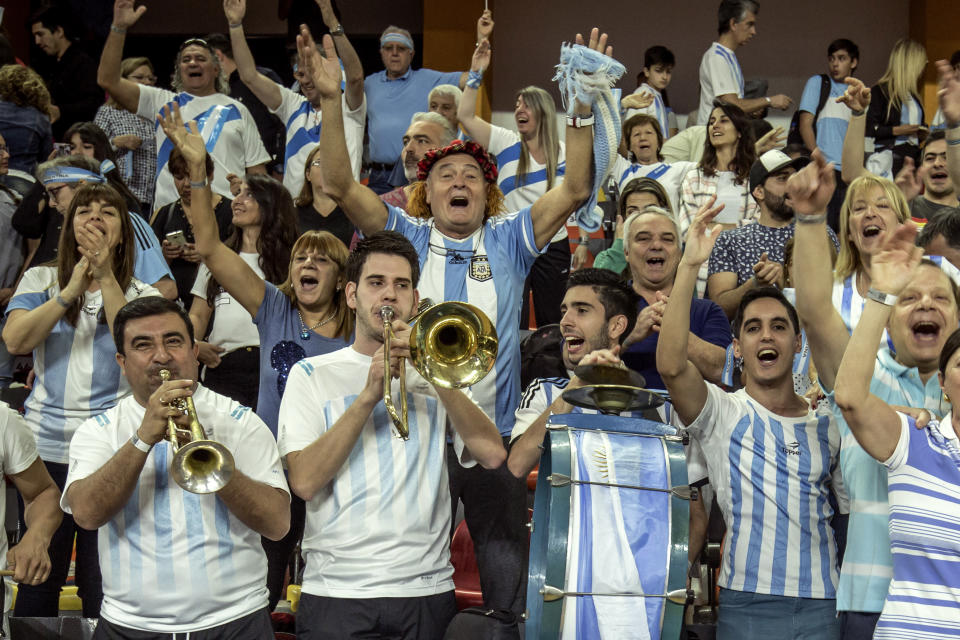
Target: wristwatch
338,31
140,444
883,298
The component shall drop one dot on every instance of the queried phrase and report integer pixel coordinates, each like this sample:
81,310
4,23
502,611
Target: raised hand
326,12
773,139
812,187
948,92
323,70
893,266
637,100
185,138
597,42
92,245
235,10
909,179
857,96
768,272
481,57
485,25
79,281
619,231
700,238
124,15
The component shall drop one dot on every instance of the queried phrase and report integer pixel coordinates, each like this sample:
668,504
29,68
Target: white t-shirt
233,326
381,527
505,146
227,127
657,109
174,561
18,450
303,133
670,175
720,74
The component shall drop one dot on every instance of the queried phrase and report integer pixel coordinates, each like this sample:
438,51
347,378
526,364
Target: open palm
186,138
324,69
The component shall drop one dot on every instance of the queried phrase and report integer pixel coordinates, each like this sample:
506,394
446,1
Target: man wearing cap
752,256
395,94
470,250
226,125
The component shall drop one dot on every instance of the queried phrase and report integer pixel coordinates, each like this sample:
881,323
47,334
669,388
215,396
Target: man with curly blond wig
25,117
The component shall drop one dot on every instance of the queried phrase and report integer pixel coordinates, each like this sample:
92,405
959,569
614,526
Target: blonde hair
305,197
326,244
24,87
849,261
127,67
542,104
901,80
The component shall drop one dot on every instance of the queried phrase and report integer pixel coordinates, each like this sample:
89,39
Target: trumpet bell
202,466
453,345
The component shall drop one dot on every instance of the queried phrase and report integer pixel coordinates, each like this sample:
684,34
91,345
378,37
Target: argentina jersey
773,475
486,269
720,74
303,123
77,375
505,146
231,136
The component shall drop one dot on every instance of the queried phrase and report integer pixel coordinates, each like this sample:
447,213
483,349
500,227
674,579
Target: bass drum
606,521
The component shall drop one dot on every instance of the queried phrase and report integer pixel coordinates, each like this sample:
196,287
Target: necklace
305,332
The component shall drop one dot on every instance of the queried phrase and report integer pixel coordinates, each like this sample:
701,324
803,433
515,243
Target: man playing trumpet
174,562
376,539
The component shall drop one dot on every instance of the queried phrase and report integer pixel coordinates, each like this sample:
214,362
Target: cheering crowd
793,293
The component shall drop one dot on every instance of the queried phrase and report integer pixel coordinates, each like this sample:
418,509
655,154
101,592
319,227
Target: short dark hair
756,294
949,347
734,10
221,43
617,297
842,44
936,134
91,133
389,242
946,224
955,59
658,54
145,307
177,164
53,15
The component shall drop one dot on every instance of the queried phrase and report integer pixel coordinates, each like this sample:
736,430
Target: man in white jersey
301,114
720,73
472,252
771,459
175,562
378,508
20,462
226,125
905,374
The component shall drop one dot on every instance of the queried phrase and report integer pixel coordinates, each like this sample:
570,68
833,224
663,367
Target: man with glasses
225,124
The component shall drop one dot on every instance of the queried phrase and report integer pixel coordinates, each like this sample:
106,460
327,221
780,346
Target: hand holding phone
177,238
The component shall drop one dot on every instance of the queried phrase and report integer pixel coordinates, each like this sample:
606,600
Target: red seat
466,575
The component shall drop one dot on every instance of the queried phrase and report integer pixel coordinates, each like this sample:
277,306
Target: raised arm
363,207
125,92
688,391
352,68
810,191
235,275
552,209
873,422
949,97
475,126
266,90
857,97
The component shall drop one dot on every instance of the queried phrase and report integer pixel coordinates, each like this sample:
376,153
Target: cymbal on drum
611,389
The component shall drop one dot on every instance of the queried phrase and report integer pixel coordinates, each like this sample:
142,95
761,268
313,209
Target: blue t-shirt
391,104
833,119
149,265
707,322
281,347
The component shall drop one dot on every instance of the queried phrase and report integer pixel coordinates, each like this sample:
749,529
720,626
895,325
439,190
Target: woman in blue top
63,313
305,316
923,464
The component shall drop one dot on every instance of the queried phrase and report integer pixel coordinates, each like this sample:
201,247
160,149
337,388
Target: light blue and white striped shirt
658,109
865,574
174,561
720,74
486,269
924,480
772,475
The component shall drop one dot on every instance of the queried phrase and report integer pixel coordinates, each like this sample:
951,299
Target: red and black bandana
469,147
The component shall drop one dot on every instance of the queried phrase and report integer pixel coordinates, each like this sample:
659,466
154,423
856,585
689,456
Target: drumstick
7,573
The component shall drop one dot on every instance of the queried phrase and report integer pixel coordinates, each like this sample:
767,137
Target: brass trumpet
201,465
452,345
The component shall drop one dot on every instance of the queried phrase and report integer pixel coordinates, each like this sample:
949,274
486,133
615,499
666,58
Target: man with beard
752,256
428,130
598,312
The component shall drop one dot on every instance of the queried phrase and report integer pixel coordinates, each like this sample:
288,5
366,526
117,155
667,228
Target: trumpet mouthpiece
387,313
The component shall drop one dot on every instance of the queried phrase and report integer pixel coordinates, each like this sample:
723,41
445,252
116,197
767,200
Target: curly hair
418,208
24,87
278,224
68,255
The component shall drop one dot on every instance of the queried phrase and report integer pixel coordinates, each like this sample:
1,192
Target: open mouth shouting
767,356
459,202
926,331
308,283
871,230
575,346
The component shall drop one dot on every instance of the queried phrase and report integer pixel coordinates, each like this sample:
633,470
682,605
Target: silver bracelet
117,29
199,185
812,219
238,25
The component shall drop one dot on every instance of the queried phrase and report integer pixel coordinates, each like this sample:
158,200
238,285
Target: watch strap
140,444
883,298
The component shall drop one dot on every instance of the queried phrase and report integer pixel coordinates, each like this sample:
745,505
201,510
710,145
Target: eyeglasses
315,163
147,78
54,193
